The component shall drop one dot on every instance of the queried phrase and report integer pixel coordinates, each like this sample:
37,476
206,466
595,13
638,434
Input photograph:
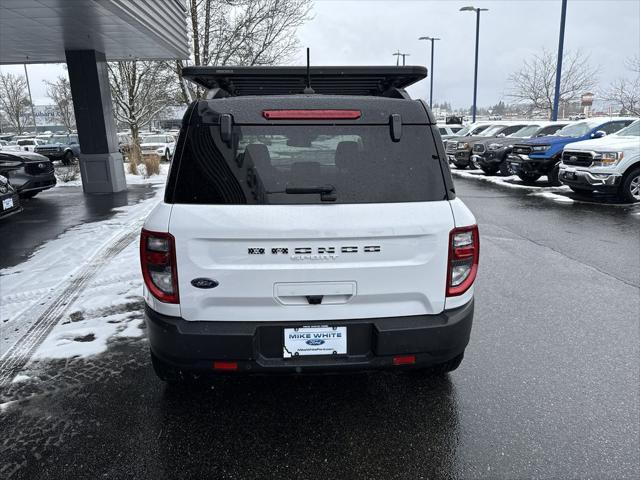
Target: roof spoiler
382,81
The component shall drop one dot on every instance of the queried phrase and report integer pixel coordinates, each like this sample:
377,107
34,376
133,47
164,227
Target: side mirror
501,135
598,134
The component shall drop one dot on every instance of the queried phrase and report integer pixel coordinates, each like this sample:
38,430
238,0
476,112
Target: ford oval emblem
204,283
315,341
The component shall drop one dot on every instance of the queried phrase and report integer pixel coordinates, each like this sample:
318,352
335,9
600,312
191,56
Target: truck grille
38,168
522,149
451,147
581,159
44,151
478,148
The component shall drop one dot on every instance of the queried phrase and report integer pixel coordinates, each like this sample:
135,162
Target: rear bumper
257,346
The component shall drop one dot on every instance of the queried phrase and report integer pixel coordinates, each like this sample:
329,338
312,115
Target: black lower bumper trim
257,346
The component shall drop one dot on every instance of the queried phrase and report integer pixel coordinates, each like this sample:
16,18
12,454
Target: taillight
464,252
159,268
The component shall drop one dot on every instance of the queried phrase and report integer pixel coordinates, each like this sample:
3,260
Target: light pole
33,113
556,95
398,55
475,73
432,39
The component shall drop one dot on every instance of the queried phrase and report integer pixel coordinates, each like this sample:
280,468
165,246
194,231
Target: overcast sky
367,32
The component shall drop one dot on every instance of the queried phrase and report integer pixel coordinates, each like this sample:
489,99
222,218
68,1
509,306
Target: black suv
30,173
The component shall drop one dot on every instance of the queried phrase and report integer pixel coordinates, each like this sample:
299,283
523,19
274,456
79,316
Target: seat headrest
258,155
347,153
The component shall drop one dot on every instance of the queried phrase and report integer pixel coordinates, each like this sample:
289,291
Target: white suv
608,164
304,233
159,144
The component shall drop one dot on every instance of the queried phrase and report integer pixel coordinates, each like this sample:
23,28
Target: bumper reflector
225,366
404,360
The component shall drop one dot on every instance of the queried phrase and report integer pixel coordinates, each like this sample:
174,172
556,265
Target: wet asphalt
52,212
549,387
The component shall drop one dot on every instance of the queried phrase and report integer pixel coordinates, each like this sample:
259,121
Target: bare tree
243,32
535,82
140,89
625,92
60,92
14,100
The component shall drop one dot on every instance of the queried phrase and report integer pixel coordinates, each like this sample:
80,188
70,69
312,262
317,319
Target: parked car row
594,154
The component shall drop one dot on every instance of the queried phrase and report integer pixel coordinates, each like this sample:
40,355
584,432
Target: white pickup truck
609,164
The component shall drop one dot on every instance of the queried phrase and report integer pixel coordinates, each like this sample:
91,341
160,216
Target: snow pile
512,181
131,179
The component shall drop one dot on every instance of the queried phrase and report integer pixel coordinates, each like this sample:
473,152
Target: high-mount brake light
464,253
311,114
159,268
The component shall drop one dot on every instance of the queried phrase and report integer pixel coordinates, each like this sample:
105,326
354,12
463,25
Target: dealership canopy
39,31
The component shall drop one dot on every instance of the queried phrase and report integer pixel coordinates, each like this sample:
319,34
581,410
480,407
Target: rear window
290,164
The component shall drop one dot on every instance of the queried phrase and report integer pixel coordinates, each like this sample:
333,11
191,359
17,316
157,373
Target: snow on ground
553,193
100,311
109,307
512,181
562,194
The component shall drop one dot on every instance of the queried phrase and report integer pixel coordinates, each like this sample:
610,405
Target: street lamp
475,74
403,55
432,39
556,95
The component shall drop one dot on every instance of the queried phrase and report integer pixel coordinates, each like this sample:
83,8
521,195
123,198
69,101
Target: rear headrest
347,153
257,154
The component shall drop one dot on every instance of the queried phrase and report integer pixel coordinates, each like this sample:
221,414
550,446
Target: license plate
7,203
315,340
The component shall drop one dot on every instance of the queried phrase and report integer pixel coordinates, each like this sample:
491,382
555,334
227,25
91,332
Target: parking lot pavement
55,211
549,387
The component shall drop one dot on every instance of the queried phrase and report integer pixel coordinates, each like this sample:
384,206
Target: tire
460,166
630,187
166,156
505,169
166,372
582,190
68,158
492,170
27,195
553,176
448,366
529,178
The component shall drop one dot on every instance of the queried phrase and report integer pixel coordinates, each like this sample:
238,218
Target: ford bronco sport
309,224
